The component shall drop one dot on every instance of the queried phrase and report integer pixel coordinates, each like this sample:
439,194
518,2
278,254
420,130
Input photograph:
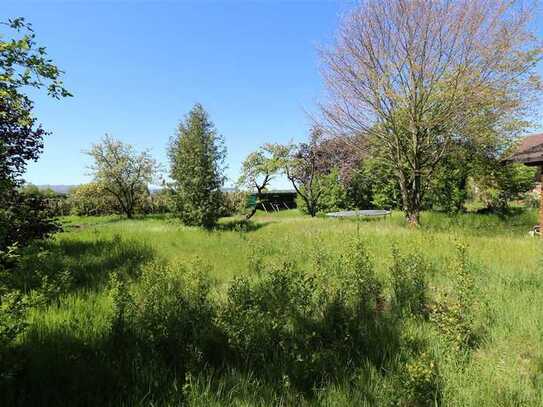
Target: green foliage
409,273
172,313
448,190
92,199
320,326
197,157
506,183
23,65
333,197
12,317
161,201
302,328
453,311
234,203
24,218
122,174
421,381
374,185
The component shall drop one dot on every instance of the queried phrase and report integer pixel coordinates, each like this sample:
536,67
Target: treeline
334,173
91,200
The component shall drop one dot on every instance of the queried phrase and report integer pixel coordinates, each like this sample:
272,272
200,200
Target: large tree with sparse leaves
419,76
197,155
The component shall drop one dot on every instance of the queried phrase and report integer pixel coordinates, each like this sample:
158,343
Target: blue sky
136,68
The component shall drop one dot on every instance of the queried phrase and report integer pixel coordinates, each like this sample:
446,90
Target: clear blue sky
136,68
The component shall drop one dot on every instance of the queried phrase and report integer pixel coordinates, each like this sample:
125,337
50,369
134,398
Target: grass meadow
113,334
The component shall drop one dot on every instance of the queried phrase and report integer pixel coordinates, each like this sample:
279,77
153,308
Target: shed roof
529,150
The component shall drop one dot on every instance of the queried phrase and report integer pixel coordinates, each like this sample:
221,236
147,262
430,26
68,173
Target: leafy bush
173,315
289,325
161,201
91,199
453,310
421,381
333,196
234,203
24,218
503,184
409,274
374,185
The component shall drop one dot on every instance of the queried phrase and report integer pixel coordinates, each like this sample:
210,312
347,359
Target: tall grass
282,327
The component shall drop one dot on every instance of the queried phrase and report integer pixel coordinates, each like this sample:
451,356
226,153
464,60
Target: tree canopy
23,65
257,171
197,156
122,172
418,75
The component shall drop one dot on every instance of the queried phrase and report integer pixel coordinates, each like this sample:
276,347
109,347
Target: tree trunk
250,215
411,199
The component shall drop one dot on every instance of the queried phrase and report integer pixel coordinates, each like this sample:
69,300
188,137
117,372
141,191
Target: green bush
91,199
305,328
504,183
409,275
453,310
421,381
374,185
234,203
172,314
24,218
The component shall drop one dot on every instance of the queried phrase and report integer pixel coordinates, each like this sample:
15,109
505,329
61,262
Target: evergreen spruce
197,163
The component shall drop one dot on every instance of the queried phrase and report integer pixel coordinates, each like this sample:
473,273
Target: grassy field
69,355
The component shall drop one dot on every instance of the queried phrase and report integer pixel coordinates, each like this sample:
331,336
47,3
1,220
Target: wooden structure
274,200
530,152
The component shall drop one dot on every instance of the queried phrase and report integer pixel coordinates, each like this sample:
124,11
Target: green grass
66,345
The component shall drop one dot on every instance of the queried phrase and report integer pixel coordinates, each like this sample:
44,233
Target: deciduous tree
23,65
300,163
257,171
122,172
417,75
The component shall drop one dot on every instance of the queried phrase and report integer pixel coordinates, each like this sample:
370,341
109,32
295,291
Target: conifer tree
197,156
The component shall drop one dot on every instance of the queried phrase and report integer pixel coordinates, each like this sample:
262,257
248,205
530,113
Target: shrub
13,309
359,283
13,306
234,203
333,196
421,381
409,287
452,312
503,184
173,315
91,199
374,185
260,315
305,329
24,218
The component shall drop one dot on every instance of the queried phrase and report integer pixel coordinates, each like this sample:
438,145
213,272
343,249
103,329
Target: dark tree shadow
74,264
55,368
